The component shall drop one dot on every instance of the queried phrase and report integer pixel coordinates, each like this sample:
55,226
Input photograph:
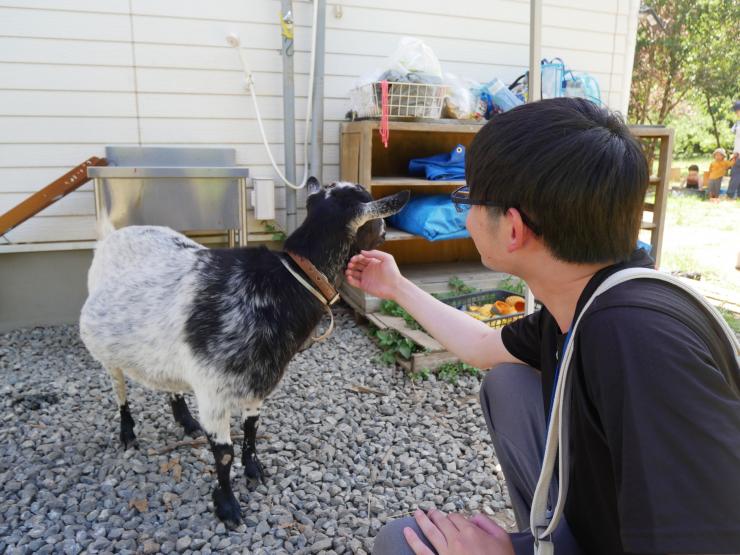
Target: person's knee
501,380
390,539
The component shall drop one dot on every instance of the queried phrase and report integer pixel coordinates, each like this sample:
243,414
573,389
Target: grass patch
731,318
701,236
451,371
394,345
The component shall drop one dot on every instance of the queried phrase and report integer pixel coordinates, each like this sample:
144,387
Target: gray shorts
714,187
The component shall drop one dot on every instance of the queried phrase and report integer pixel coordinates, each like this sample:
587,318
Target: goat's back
140,289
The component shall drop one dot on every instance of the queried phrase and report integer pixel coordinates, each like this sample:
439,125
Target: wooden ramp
47,196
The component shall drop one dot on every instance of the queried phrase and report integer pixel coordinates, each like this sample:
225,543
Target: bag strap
558,432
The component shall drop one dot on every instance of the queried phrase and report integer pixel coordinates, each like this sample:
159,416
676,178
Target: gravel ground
331,455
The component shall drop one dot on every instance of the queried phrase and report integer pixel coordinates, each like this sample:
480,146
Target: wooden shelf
413,182
648,225
393,234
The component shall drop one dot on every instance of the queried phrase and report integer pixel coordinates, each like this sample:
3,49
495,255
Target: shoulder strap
541,524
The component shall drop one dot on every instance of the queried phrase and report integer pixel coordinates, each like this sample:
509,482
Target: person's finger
354,282
357,276
376,254
432,533
443,522
459,521
416,545
488,526
359,261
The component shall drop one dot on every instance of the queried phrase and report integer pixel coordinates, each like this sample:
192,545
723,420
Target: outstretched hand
375,272
456,535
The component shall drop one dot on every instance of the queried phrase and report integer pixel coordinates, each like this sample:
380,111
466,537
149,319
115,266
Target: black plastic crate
462,302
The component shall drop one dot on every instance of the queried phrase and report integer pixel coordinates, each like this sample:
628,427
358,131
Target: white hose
249,82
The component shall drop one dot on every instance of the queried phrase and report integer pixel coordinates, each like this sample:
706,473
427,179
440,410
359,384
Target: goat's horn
384,207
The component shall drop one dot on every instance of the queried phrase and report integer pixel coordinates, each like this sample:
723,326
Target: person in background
717,170
732,190
692,181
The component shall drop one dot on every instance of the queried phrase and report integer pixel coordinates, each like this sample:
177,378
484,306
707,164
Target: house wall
76,75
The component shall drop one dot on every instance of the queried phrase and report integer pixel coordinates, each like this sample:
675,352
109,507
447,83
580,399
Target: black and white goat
222,323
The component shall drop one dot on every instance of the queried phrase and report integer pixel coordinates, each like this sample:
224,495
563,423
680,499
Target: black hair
693,168
572,167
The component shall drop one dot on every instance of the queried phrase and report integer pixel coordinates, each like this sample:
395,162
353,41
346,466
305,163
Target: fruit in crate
517,302
512,305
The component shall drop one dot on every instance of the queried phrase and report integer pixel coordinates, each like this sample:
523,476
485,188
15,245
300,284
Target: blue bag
433,217
440,166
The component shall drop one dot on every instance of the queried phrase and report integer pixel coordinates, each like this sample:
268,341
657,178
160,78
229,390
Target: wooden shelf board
413,181
393,234
648,225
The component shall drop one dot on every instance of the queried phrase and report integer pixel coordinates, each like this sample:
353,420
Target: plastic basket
405,100
462,302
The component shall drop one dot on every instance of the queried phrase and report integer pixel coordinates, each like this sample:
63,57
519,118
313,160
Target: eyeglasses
461,197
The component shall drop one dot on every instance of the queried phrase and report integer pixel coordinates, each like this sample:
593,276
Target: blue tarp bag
433,217
440,166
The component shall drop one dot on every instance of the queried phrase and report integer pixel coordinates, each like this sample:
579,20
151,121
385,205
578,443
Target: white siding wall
76,75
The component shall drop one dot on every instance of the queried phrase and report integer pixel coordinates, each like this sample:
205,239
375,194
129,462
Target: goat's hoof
253,470
128,439
192,429
227,508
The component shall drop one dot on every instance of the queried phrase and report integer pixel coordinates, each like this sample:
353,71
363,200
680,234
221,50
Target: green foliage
513,284
277,233
686,76
394,344
392,308
731,318
420,375
694,137
451,371
459,287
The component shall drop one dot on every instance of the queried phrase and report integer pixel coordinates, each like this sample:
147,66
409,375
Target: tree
661,78
695,58
716,75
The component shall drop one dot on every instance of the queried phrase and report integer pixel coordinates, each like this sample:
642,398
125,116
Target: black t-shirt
655,418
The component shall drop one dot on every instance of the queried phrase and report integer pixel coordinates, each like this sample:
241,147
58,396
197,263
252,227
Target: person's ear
519,233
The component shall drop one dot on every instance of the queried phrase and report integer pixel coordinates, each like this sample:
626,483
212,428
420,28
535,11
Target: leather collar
319,280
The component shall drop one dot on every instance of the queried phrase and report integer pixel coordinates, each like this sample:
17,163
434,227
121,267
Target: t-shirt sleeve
522,338
672,425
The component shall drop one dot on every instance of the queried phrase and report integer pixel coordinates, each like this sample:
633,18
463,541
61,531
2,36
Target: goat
222,323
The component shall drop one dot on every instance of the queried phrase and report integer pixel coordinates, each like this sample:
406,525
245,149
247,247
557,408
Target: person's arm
477,344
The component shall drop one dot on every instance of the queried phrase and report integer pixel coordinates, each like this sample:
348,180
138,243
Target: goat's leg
215,423
127,436
253,469
182,415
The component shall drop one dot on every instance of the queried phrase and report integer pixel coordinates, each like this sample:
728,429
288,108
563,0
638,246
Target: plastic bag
413,56
553,73
462,101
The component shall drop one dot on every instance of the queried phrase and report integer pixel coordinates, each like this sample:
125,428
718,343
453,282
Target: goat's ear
382,208
313,185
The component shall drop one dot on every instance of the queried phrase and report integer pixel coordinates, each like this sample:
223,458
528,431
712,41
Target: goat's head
350,208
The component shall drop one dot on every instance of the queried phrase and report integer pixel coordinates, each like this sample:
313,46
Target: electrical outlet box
263,198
